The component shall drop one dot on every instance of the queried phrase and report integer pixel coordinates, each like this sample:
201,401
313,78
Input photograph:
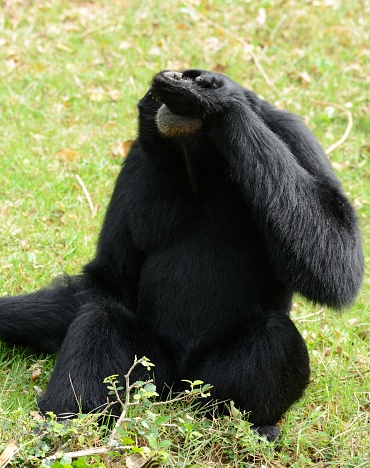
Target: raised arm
309,226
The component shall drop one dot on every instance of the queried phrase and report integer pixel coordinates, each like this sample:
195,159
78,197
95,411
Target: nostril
192,74
206,81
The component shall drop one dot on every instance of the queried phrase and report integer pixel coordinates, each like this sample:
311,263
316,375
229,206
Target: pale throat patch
174,125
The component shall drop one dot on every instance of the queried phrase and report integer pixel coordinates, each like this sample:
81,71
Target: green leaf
198,382
81,463
152,440
127,441
145,423
161,420
150,387
164,443
162,456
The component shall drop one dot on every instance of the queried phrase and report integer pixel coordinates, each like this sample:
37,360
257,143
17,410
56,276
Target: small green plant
147,434
144,427
54,437
82,462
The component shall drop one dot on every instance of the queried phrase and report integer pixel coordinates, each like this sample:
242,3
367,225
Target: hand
197,93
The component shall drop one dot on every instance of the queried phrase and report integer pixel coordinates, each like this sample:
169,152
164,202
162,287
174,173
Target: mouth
173,125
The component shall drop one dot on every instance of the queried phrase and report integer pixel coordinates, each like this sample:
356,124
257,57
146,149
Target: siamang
224,208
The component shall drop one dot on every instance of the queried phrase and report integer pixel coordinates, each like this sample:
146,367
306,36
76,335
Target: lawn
72,73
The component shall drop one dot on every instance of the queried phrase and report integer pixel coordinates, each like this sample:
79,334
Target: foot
270,433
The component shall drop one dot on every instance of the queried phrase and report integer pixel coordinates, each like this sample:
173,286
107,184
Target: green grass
70,78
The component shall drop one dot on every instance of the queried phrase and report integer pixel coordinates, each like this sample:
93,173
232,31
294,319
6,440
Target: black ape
224,208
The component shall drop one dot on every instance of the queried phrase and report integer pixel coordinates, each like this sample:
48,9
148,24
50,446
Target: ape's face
181,101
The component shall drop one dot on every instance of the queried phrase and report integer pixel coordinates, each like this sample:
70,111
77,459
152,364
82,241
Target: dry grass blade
87,195
7,454
245,45
348,129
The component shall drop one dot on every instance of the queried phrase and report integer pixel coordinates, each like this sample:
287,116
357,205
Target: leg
40,319
264,370
103,340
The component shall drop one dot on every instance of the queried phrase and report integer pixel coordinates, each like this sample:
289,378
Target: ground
71,75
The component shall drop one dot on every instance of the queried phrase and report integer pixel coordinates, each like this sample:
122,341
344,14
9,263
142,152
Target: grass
72,72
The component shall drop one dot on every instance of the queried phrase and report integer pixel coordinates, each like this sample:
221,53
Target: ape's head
168,103
181,102
176,112
171,118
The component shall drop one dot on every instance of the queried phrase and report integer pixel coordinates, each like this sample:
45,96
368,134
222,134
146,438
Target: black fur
207,236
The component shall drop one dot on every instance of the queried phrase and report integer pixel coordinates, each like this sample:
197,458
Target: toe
270,433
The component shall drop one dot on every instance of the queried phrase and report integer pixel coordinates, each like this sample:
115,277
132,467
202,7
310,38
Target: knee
282,344
103,314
